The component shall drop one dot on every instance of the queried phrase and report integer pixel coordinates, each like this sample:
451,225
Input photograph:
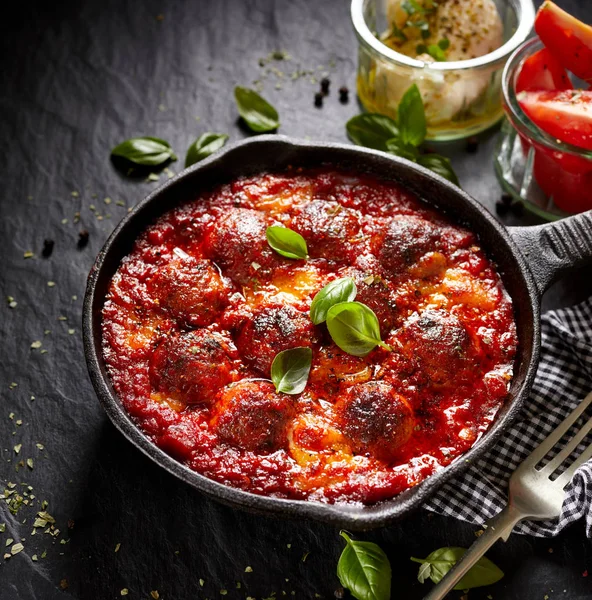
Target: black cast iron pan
529,259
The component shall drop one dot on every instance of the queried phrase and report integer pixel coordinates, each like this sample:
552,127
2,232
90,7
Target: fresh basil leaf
444,43
340,290
204,145
398,148
411,117
286,242
436,52
440,165
354,328
412,6
258,114
290,369
371,130
145,151
483,573
365,570
425,571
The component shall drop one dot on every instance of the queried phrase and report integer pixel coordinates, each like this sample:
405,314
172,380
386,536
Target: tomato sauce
196,313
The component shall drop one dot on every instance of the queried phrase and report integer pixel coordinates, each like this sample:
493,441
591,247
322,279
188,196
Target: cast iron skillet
529,259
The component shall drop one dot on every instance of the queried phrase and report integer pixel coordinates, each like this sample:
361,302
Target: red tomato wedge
542,71
566,115
568,39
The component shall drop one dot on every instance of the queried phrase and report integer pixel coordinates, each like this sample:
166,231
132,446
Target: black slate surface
76,78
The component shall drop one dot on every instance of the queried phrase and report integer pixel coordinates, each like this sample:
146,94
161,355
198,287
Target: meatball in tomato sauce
438,345
191,290
376,419
405,240
251,415
328,229
271,329
192,366
236,242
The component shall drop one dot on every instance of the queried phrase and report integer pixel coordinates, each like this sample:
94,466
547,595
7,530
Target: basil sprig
257,113
290,369
204,145
340,290
411,117
440,165
145,151
354,328
403,136
372,130
365,570
440,561
286,242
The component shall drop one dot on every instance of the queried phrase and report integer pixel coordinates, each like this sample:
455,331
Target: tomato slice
542,71
568,39
566,115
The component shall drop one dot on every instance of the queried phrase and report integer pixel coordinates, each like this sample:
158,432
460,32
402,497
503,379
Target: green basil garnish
440,561
340,290
371,130
145,151
286,242
258,114
290,369
204,145
398,148
411,117
440,165
354,328
365,570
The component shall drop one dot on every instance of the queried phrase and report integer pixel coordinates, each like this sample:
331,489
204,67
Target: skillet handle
553,249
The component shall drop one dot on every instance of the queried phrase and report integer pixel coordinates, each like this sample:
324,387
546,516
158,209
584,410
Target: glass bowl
552,178
461,98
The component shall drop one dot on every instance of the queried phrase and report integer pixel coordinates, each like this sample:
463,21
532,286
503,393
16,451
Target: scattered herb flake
36,344
249,570
154,594
28,254
9,541
51,284
17,448
30,463
117,546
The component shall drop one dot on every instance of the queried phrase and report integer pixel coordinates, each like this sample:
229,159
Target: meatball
252,416
376,293
236,242
191,290
270,330
406,239
375,418
191,367
438,345
327,228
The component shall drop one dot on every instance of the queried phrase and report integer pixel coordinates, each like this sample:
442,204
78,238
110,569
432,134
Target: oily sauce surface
197,312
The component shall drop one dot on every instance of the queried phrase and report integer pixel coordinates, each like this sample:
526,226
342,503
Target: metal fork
532,495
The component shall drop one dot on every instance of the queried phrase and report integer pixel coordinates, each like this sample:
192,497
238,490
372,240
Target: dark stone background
76,78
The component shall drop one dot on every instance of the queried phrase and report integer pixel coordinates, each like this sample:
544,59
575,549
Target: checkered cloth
563,379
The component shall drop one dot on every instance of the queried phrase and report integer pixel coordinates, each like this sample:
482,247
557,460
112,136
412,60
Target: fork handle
499,527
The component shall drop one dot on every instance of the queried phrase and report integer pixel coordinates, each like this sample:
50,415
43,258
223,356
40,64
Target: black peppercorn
517,209
47,248
325,83
318,100
83,238
343,94
472,144
501,209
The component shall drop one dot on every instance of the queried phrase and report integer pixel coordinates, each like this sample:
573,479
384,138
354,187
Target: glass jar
551,177
461,98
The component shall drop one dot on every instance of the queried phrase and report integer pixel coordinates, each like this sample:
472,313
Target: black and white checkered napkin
564,378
